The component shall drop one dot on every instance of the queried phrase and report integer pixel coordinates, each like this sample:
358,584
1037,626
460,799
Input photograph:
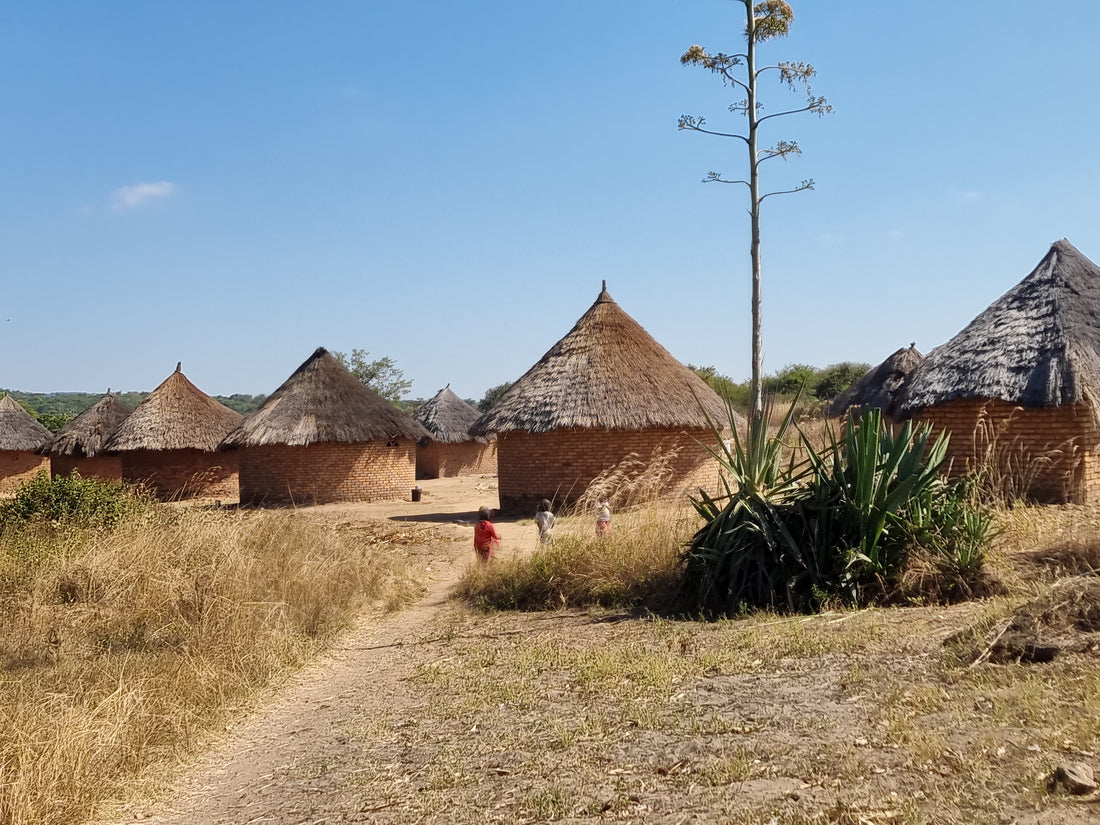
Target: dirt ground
438,714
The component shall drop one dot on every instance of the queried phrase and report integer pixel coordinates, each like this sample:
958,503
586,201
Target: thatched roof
18,429
1038,345
448,418
607,373
322,401
177,415
85,435
881,386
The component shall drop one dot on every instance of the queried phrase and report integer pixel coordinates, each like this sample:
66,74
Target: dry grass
119,650
637,565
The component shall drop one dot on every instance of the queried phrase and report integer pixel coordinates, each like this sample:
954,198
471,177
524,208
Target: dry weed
119,650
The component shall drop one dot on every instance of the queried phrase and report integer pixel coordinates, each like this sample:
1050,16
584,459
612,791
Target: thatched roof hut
449,449
607,373
322,402
86,435
19,432
880,387
20,436
170,442
325,436
604,392
1024,376
80,444
1038,345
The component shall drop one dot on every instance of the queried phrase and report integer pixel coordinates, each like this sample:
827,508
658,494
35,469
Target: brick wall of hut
329,471
466,458
17,466
560,464
176,474
1053,449
107,467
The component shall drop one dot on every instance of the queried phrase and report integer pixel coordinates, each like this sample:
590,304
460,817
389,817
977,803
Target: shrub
829,524
70,501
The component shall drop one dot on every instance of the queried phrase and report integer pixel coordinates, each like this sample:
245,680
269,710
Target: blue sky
232,185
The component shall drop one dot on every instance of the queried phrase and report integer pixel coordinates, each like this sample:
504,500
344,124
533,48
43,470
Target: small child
545,521
485,536
603,519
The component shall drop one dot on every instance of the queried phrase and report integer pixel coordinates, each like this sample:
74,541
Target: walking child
485,536
603,519
545,521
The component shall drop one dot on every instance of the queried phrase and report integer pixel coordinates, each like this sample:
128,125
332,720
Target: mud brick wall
179,474
560,464
329,471
467,458
17,466
106,467
1054,449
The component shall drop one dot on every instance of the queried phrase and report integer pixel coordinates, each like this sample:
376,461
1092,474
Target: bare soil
439,714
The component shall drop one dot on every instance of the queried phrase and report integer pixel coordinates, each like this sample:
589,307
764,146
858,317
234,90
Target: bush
70,501
798,530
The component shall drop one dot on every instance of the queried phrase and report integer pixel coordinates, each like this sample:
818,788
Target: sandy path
293,761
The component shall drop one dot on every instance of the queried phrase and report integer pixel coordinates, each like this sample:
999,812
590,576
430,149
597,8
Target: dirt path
293,761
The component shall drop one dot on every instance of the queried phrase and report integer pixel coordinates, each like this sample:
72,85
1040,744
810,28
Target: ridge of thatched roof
448,418
1038,345
607,373
879,387
19,432
86,435
177,415
322,402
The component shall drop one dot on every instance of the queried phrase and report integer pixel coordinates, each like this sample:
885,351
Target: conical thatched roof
1038,345
322,401
608,373
85,435
18,429
448,418
881,386
177,415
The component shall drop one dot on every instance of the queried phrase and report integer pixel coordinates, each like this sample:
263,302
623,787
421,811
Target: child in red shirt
485,536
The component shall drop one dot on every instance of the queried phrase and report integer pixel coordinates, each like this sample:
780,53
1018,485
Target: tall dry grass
637,565
120,649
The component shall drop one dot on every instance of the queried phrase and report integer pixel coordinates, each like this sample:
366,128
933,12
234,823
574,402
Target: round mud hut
324,436
20,437
449,450
79,445
880,388
170,443
1018,388
606,413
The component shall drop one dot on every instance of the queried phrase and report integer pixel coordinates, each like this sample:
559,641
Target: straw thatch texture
606,373
1036,346
19,432
322,402
86,435
177,415
448,418
880,387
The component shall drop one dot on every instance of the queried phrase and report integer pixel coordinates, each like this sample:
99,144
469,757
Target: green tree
836,378
764,20
381,375
791,379
492,394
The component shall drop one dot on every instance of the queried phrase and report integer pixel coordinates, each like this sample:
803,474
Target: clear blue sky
232,185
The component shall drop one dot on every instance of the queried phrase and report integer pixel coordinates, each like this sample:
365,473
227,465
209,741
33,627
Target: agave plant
836,523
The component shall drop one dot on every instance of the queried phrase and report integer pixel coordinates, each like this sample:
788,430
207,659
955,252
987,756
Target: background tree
381,375
836,378
764,20
492,394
